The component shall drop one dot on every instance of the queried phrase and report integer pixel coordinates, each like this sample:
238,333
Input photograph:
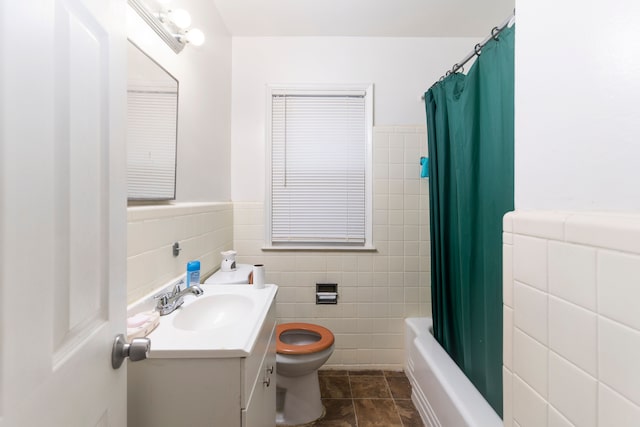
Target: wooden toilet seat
326,339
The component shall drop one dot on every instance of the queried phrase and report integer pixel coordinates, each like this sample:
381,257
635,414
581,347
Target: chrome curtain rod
477,49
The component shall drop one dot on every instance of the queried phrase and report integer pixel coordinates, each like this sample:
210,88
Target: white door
62,212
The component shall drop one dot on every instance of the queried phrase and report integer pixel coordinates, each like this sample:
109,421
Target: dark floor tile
333,372
369,387
394,374
408,413
376,413
333,386
339,413
400,387
369,373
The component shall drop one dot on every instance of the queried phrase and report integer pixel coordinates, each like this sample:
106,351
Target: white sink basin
223,322
215,311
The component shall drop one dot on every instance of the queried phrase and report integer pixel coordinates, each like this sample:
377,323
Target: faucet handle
163,299
176,288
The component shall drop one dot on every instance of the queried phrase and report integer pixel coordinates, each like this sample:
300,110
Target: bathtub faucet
170,301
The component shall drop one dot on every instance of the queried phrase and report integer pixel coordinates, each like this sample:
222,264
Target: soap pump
228,261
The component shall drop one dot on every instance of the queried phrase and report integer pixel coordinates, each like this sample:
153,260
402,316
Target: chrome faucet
170,301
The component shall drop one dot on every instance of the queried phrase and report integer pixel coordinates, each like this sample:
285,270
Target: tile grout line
353,403
395,409
393,399
386,380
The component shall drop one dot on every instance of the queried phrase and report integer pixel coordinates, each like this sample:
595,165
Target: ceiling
367,18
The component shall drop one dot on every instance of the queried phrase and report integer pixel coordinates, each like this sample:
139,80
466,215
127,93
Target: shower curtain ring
494,32
448,73
477,49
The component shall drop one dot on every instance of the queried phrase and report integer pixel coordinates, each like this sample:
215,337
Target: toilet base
298,399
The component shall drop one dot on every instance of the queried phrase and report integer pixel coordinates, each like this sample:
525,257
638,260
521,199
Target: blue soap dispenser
193,273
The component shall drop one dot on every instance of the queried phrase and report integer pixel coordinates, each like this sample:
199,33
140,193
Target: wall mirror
152,125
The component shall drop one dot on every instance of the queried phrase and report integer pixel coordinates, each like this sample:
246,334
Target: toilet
301,349
238,276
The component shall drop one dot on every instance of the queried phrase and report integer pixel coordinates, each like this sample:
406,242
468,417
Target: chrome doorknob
138,349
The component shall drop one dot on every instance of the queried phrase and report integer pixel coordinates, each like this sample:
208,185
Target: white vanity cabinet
214,392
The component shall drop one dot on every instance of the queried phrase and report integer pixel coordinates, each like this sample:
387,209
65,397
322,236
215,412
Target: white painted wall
401,69
576,104
204,115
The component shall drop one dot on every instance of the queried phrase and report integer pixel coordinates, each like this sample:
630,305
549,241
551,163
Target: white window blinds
151,143
318,165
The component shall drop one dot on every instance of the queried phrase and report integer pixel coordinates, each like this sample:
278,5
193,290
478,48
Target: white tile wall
202,229
572,392
572,327
377,290
557,420
615,410
530,311
529,408
530,261
530,358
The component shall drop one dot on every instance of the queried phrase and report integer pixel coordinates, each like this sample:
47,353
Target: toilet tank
239,276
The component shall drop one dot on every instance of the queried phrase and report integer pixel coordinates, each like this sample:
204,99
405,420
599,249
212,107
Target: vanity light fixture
179,17
171,25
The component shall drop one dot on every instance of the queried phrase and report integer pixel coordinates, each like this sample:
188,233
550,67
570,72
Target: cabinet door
261,409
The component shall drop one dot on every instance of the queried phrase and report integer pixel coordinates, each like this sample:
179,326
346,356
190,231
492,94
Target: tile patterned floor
366,399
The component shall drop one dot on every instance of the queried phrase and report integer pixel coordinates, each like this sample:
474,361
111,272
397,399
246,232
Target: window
319,167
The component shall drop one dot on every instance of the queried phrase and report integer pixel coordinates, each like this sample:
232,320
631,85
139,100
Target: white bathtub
443,395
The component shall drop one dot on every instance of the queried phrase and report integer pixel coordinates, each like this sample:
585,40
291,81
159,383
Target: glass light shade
180,17
195,37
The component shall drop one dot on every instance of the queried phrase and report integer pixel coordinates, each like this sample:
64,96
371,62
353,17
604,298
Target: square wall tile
530,311
507,238
573,334
572,391
572,273
530,361
530,261
619,287
507,275
529,408
611,231
618,358
615,410
556,419
507,397
507,222
548,225
507,337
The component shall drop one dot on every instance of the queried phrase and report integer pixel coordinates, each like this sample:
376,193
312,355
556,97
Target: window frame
320,89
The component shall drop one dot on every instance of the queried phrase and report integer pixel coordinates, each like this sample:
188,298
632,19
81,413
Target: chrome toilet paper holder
326,293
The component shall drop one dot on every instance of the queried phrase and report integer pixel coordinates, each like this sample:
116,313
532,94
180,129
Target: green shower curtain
470,141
